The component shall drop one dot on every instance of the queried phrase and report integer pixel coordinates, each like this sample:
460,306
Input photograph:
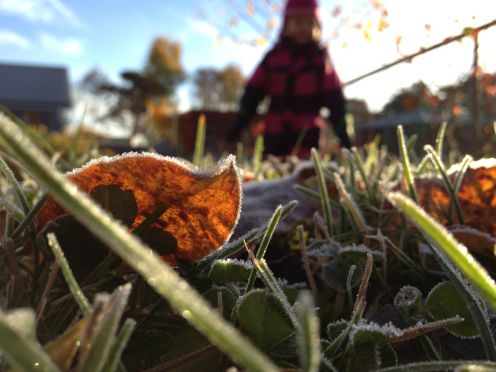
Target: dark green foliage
444,301
263,318
227,271
335,272
82,249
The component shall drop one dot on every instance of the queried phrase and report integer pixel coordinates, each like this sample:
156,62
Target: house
35,94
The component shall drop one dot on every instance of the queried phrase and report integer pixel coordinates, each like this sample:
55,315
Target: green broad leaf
230,270
443,302
364,357
321,248
365,333
120,203
336,328
161,241
408,301
192,353
388,356
335,272
286,349
291,291
263,318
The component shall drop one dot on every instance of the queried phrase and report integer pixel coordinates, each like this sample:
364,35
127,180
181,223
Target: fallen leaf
476,241
477,196
261,198
203,206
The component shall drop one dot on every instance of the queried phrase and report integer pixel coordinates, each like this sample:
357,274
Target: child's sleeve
255,91
335,101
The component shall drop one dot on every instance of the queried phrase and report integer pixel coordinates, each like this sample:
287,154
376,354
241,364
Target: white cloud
47,11
204,28
68,46
11,38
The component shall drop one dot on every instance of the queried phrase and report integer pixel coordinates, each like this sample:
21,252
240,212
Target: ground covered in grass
348,263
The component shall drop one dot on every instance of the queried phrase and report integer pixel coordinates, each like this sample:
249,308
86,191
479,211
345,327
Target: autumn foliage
477,197
201,207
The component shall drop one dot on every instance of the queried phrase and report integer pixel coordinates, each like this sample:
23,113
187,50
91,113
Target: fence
469,123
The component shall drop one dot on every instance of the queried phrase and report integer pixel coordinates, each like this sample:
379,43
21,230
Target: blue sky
110,34
115,35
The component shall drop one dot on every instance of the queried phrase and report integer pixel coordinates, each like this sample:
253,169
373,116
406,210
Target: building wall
51,119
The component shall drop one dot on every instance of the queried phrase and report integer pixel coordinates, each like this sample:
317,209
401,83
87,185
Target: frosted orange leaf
477,196
203,206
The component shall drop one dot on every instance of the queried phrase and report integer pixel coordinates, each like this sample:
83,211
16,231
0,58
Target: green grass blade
438,164
446,243
461,173
358,309
363,175
306,191
118,347
270,282
29,217
30,132
201,131
407,170
21,352
440,139
324,196
351,167
236,246
308,333
97,353
423,165
23,203
350,205
276,217
141,258
258,156
76,291
473,301
150,219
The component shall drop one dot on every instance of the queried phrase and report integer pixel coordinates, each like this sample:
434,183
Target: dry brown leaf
204,206
477,196
476,241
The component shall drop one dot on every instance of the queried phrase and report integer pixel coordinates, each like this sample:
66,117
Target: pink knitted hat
297,7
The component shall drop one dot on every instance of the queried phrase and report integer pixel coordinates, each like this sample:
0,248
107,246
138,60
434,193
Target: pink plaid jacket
299,81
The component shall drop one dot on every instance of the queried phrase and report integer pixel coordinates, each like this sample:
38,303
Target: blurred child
300,80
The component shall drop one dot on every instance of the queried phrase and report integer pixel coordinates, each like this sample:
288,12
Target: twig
306,264
44,296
